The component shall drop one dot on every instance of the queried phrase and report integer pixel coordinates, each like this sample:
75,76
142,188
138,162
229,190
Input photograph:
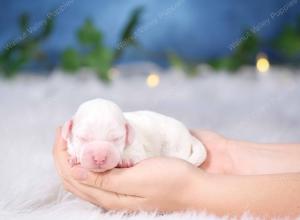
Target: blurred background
230,66
71,34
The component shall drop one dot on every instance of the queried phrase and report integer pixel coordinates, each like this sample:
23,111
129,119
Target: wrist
228,163
234,154
242,155
211,193
195,192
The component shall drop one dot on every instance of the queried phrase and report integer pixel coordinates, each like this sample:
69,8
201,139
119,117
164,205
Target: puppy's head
98,134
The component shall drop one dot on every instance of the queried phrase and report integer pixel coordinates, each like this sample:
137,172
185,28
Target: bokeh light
153,80
262,63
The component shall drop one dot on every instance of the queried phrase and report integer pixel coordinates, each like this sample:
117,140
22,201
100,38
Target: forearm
264,195
253,158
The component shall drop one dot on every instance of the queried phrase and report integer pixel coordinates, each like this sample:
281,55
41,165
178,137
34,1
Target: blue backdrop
192,28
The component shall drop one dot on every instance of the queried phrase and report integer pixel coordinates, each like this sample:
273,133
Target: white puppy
101,137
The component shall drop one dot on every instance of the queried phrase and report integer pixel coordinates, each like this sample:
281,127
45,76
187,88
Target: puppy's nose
95,155
99,157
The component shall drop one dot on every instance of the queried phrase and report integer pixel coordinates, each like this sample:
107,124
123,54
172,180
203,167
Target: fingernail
79,173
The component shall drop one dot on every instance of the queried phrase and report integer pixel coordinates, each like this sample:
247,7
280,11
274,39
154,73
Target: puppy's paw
73,161
125,163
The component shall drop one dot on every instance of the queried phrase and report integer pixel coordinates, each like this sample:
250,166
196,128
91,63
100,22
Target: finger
62,166
108,200
60,143
125,181
60,147
70,188
105,199
60,156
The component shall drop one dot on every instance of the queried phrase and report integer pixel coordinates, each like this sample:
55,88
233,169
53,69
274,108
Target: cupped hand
161,184
219,160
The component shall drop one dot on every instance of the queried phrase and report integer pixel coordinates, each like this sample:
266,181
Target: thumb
60,143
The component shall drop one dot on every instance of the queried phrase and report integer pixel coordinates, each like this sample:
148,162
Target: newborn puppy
100,137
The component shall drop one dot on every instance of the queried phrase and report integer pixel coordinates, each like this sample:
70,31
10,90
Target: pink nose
99,158
95,155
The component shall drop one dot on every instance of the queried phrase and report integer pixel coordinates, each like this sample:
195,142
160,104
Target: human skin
225,184
247,158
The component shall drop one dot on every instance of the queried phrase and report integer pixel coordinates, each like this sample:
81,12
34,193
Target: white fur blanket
243,106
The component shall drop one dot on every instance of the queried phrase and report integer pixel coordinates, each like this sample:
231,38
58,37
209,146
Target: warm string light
262,63
152,80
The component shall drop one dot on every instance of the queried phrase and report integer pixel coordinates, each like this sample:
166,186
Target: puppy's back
158,130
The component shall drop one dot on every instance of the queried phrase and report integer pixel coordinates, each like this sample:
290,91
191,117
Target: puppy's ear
129,134
66,130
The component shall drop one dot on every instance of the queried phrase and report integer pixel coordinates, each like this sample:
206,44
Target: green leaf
132,23
179,63
47,29
175,61
88,34
298,25
127,36
245,53
27,50
71,60
24,22
95,57
288,41
248,48
227,63
100,60
14,62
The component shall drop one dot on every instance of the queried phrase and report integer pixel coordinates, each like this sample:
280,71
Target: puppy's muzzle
99,156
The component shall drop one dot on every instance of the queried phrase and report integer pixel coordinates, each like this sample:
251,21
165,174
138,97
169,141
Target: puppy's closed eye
83,139
114,138
117,139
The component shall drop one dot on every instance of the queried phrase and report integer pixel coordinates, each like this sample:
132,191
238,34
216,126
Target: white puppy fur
160,135
130,136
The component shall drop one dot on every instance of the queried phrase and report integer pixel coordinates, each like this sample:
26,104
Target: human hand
162,184
166,184
219,149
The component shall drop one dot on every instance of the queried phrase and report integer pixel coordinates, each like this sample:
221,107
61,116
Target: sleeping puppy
100,137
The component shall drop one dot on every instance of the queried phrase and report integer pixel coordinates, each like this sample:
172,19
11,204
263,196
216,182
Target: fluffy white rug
244,106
